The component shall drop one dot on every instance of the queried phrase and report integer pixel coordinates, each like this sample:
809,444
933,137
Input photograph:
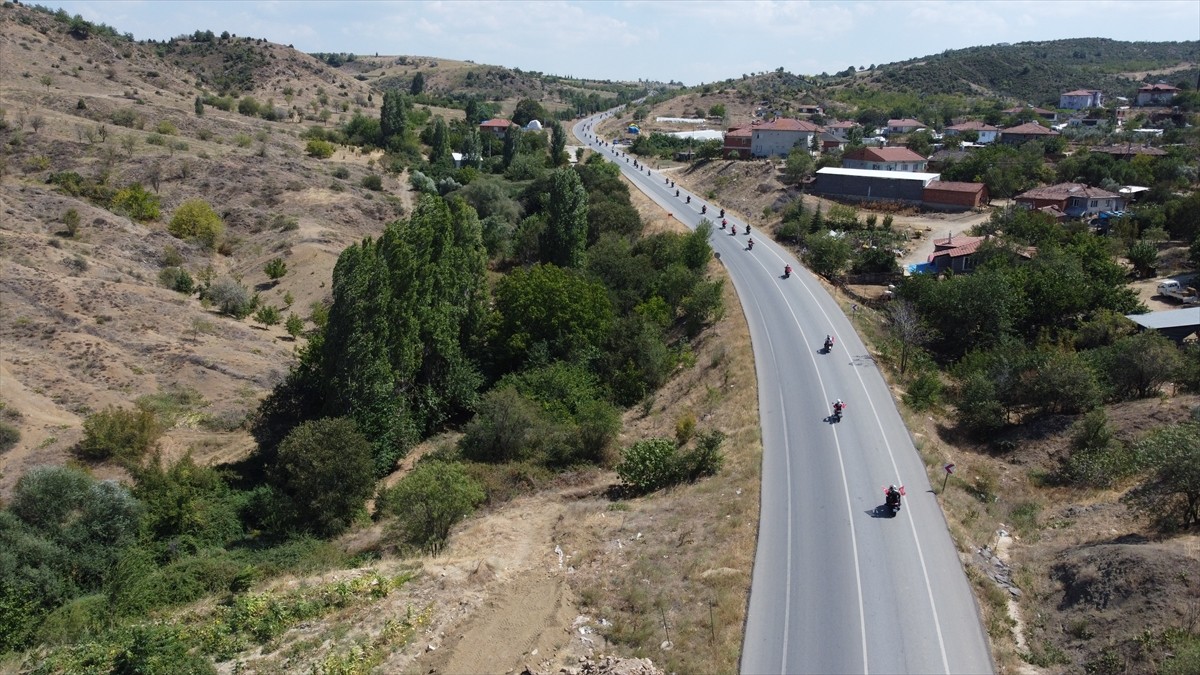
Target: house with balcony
496,127
884,159
1081,99
1023,133
1156,94
986,133
1076,200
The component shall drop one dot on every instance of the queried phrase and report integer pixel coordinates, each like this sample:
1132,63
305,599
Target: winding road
837,586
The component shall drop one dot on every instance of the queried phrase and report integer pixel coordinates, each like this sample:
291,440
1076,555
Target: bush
125,118
125,435
326,470
9,436
430,500
925,391
137,203
231,298
341,172
372,182
195,219
1096,458
267,315
649,465
275,269
177,279
319,149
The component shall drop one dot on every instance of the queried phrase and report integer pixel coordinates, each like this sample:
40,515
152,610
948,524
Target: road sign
949,468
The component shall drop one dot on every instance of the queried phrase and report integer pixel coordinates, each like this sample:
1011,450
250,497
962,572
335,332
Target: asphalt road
837,587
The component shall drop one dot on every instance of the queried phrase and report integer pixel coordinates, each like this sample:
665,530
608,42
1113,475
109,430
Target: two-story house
842,129
1023,133
496,127
777,137
1156,94
884,159
905,126
1074,199
737,143
1081,99
986,132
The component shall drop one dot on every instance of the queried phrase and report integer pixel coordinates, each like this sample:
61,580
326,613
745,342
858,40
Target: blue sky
691,42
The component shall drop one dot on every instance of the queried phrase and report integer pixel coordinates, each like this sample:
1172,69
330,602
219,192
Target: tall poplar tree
558,144
565,237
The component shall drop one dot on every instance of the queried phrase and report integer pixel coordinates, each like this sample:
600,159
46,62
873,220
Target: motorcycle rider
838,407
787,271
893,496
722,213
747,229
750,245
677,193
828,343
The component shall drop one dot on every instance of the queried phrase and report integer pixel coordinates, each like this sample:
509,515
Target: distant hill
1037,72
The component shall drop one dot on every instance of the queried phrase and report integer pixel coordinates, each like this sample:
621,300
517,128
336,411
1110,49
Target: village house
905,126
737,143
884,159
1023,133
1156,94
496,127
957,254
809,110
842,129
1076,200
987,133
771,139
954,195
1081,99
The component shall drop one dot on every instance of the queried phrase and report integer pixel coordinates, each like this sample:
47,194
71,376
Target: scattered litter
558,550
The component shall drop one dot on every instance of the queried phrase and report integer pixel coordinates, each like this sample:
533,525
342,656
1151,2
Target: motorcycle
837,411
677,193
747,229
891,499
828,347
787,271
722,213
704,209
750,245
689,199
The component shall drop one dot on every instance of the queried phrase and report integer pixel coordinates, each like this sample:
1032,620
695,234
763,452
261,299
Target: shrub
319,149
267,315
430,500
422,183
325,469
137,203
275,269
124,118
341,172
242,140
177,279
71,221
649,465
925,391
231,298
9,436
118,433
248,106
195,219
372,182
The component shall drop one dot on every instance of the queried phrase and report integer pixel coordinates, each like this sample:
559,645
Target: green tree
439,153
71,221
546,305
1136,366
799,164
267,315
564,240
294,325
430,500
558,144
195,219
418,84
319,149
325,471
827,255
136,202
393,120
1143,255
528,110
126,435
198,105
275,269
510,146
185,499
231,297
1171,493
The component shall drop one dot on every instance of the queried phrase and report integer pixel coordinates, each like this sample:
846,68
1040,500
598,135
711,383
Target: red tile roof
1065,190
954,186
1157,87
1080,92
907,122
497,123
739,132
884,155
955,241
787,124
972,125
966,249
1030,129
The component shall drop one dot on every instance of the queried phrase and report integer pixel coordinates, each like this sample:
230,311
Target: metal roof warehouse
871,184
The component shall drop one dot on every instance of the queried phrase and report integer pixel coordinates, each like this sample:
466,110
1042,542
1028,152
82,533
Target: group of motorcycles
892,493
